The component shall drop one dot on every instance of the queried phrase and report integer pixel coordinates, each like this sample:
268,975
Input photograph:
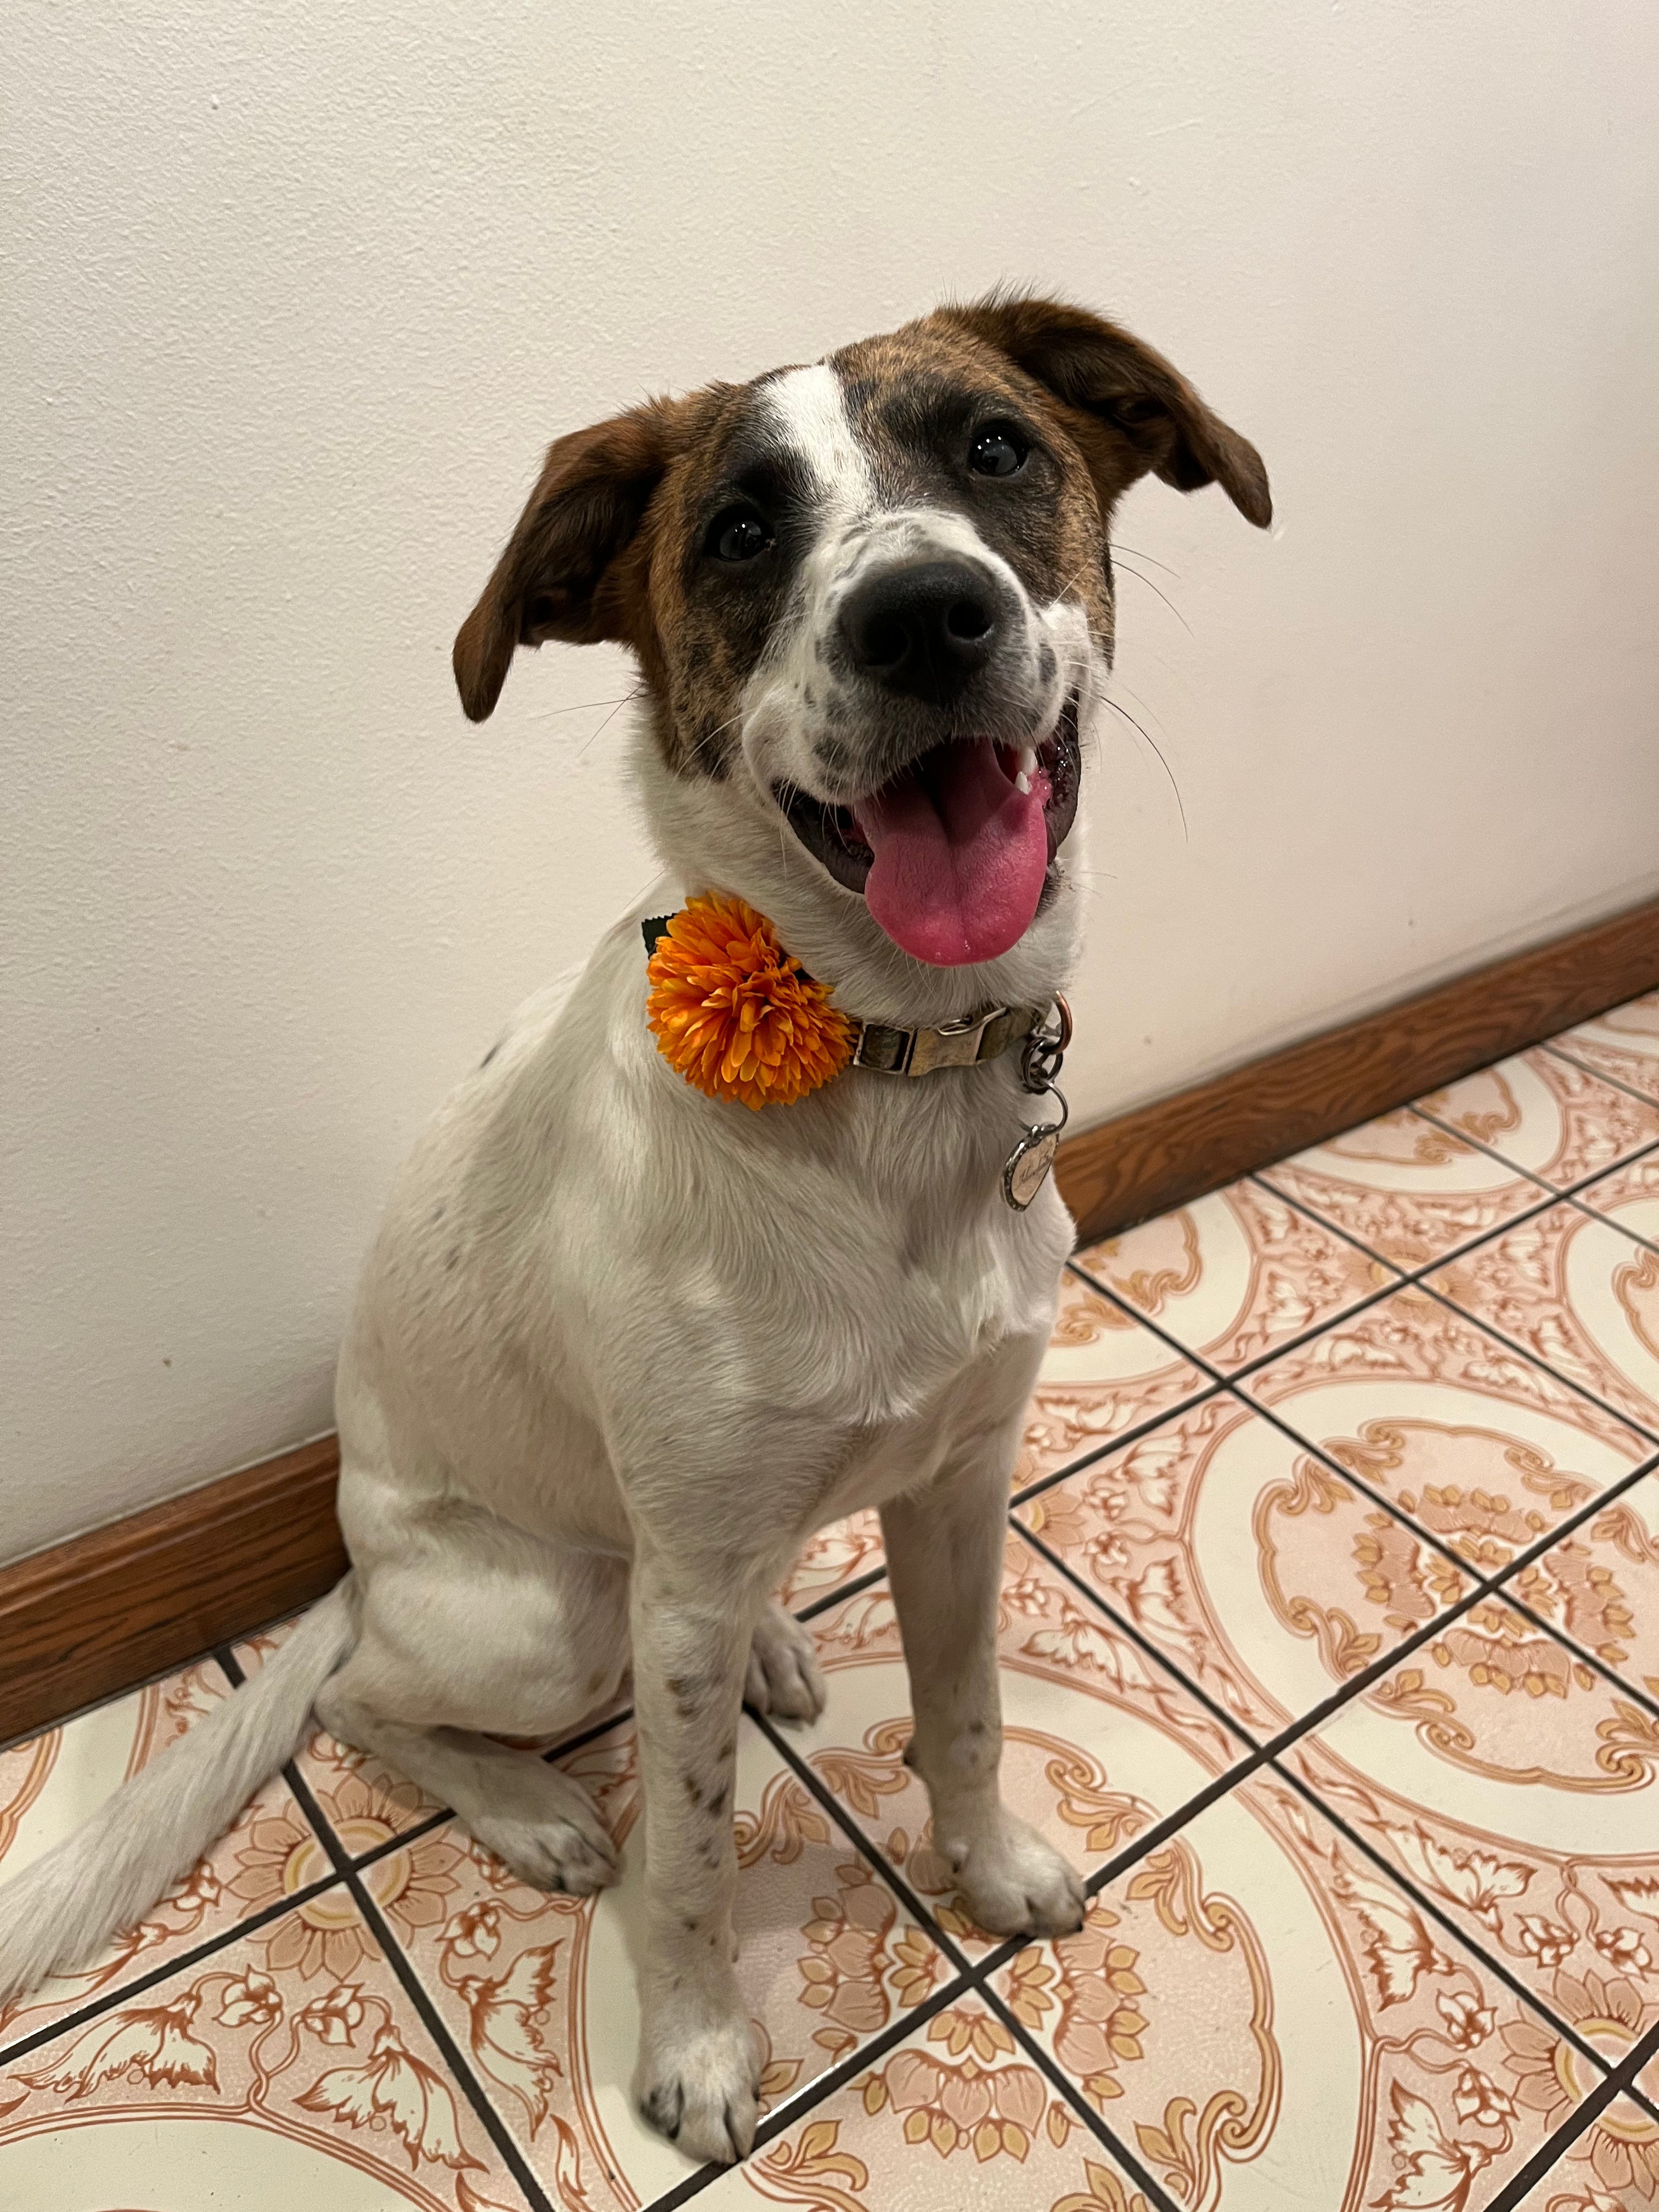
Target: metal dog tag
1026,1167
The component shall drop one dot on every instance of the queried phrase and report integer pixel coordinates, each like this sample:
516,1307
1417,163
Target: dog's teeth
1026,768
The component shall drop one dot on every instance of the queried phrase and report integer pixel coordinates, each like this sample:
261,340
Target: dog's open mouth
952,856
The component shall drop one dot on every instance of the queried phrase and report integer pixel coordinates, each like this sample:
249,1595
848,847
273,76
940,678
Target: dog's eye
998,451
738,534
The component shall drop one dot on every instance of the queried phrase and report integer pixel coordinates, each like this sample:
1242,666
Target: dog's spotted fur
620,1348
837,455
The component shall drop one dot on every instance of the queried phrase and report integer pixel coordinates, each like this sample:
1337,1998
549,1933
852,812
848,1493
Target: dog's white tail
59,1913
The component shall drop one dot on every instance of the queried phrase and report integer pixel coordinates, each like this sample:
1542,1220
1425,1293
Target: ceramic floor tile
1576,1292
1235,1274
1481,1447
1614,2166
50,1785
836,1555
252,2078
1270,2022
1406,1188
1266,1579
1600,1586
955,2118
1629,1197
1099,1739
1103,1375
1548,1115
1624,1043
540,1991
1518,1789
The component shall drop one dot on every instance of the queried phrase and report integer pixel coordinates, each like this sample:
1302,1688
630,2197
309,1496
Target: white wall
301,291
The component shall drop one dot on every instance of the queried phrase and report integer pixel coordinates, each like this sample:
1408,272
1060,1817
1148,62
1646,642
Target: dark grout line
1259,1178
1314,1718
1648,1430
1479,1145
1614,1082
1488,1581
1310,1795
460,2072
1591,1213
1137,1637
184,1963
844,1820
785,2115
1132,1436
1609,1674
871,1574
1520,2185
1074,2097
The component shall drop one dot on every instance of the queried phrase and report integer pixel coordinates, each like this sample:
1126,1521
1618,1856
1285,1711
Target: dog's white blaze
806,409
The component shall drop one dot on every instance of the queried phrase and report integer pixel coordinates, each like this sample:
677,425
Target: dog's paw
784,1676
1014,1882
554,1838
700,2086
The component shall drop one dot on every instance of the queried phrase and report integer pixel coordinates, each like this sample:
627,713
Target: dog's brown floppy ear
566,572
1090,364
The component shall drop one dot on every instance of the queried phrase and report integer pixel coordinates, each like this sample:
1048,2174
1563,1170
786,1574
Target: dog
625,1340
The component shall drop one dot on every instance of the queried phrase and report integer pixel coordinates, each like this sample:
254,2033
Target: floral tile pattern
1624,1043
1518,1790
1548,1115
537,1990
1405,1187
1099,1739
1236,1274
1265,1578
1629,1196
1329,1652
955,2118
252,2079
49,1786
1612,2167
1573,1289
1103,1375
1600,1586
1484,1449
1268,2020
835,1556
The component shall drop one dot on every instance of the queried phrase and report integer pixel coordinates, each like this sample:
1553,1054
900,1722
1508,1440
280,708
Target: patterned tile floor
1330,1639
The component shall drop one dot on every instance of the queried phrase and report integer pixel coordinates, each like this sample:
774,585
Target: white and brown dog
620,1347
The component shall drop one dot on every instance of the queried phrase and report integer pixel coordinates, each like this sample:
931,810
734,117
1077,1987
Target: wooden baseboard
95,1616
1142,1164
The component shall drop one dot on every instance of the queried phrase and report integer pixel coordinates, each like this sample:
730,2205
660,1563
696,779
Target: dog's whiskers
1165,596
1159,750
1134,552
635,693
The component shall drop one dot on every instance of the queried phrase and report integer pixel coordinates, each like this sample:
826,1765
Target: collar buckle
921,1051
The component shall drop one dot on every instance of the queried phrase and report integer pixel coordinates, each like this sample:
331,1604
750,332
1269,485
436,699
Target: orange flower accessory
735,1014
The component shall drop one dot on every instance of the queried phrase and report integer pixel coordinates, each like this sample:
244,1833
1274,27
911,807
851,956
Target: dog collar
741,1019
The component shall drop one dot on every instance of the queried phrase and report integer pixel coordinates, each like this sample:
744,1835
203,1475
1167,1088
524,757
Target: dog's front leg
945,1549
699,2069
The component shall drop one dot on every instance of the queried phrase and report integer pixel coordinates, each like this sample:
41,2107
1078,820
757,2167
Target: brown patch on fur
1130,410
571,570
610,544
918,396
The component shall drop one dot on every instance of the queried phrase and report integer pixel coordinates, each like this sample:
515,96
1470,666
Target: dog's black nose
924,629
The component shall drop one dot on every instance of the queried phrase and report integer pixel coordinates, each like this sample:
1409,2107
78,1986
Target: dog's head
872,600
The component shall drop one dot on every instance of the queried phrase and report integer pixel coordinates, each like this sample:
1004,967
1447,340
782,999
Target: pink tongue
961,854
